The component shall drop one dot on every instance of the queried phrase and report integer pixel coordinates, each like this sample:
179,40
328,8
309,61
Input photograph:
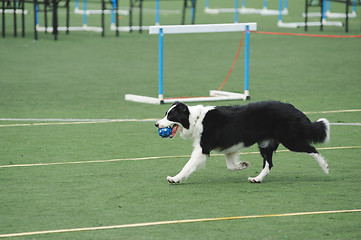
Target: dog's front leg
197,161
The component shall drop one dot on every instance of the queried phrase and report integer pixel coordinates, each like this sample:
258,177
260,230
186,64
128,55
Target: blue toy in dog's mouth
168,131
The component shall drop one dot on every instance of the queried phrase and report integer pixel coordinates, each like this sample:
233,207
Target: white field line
45,122
75,120
118,120
146,224
70,121
152,158
346,124
335,111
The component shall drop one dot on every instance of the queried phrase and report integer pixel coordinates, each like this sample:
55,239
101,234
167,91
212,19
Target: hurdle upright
215,95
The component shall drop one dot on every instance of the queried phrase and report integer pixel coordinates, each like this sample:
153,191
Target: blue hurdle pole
76,4
246,63
324,11
207,3
280,2
85,19
114,6
160,77
243,3
37,14
157,8
193,12
236,11
265,4
328,5
354,6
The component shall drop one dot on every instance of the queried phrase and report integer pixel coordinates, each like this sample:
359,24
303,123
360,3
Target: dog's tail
320,131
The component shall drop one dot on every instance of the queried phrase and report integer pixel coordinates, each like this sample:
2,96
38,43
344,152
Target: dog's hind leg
266,148
321,161
233,162
197,161
310,150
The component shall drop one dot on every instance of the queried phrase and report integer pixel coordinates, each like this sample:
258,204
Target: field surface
65,165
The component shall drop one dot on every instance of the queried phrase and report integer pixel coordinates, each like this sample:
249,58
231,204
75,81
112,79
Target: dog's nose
156,124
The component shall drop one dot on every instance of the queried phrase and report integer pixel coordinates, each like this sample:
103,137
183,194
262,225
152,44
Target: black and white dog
228,129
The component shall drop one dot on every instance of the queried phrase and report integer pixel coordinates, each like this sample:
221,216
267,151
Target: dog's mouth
174,130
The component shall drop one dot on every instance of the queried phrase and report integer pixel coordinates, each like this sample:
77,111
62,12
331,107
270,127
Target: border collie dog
228,129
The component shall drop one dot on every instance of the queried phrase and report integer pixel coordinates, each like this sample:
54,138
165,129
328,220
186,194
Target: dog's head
176,116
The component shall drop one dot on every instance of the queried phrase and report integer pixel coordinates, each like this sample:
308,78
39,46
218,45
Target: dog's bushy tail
320,132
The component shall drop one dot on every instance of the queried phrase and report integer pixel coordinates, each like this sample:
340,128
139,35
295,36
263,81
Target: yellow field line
151,158
173,222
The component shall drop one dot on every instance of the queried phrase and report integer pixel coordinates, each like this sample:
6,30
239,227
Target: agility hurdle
330,14
77,10
84,27
322,22
215,95
140,28
243,9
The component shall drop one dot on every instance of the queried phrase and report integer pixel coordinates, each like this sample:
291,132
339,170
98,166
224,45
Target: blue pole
113,12
280,2
76,4
286,4
37,14
193,12
85,20
207,3
324,10
243,3
236,11
246,63
114,6
265,4
157,9
160,77
329,5
354,6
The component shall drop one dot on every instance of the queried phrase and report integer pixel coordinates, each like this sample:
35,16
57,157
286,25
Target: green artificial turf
85,76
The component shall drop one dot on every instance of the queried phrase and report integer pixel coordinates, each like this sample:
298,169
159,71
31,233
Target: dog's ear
182,107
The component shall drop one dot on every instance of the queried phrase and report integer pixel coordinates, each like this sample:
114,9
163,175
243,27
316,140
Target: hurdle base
309,24
215,95
244,10
17,11
330,14
99,11
61,28
129,29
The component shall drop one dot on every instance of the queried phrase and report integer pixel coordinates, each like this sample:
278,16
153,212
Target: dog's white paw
254,180
172,180
325,168
242,165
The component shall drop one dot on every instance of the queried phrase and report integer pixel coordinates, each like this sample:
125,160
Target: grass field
85,76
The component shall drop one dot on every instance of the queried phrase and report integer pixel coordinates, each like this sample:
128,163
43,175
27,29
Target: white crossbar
203,28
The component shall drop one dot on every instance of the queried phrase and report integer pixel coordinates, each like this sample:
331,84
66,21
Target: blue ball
165,132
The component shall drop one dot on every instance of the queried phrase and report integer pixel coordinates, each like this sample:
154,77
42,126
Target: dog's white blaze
196,116
164,122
